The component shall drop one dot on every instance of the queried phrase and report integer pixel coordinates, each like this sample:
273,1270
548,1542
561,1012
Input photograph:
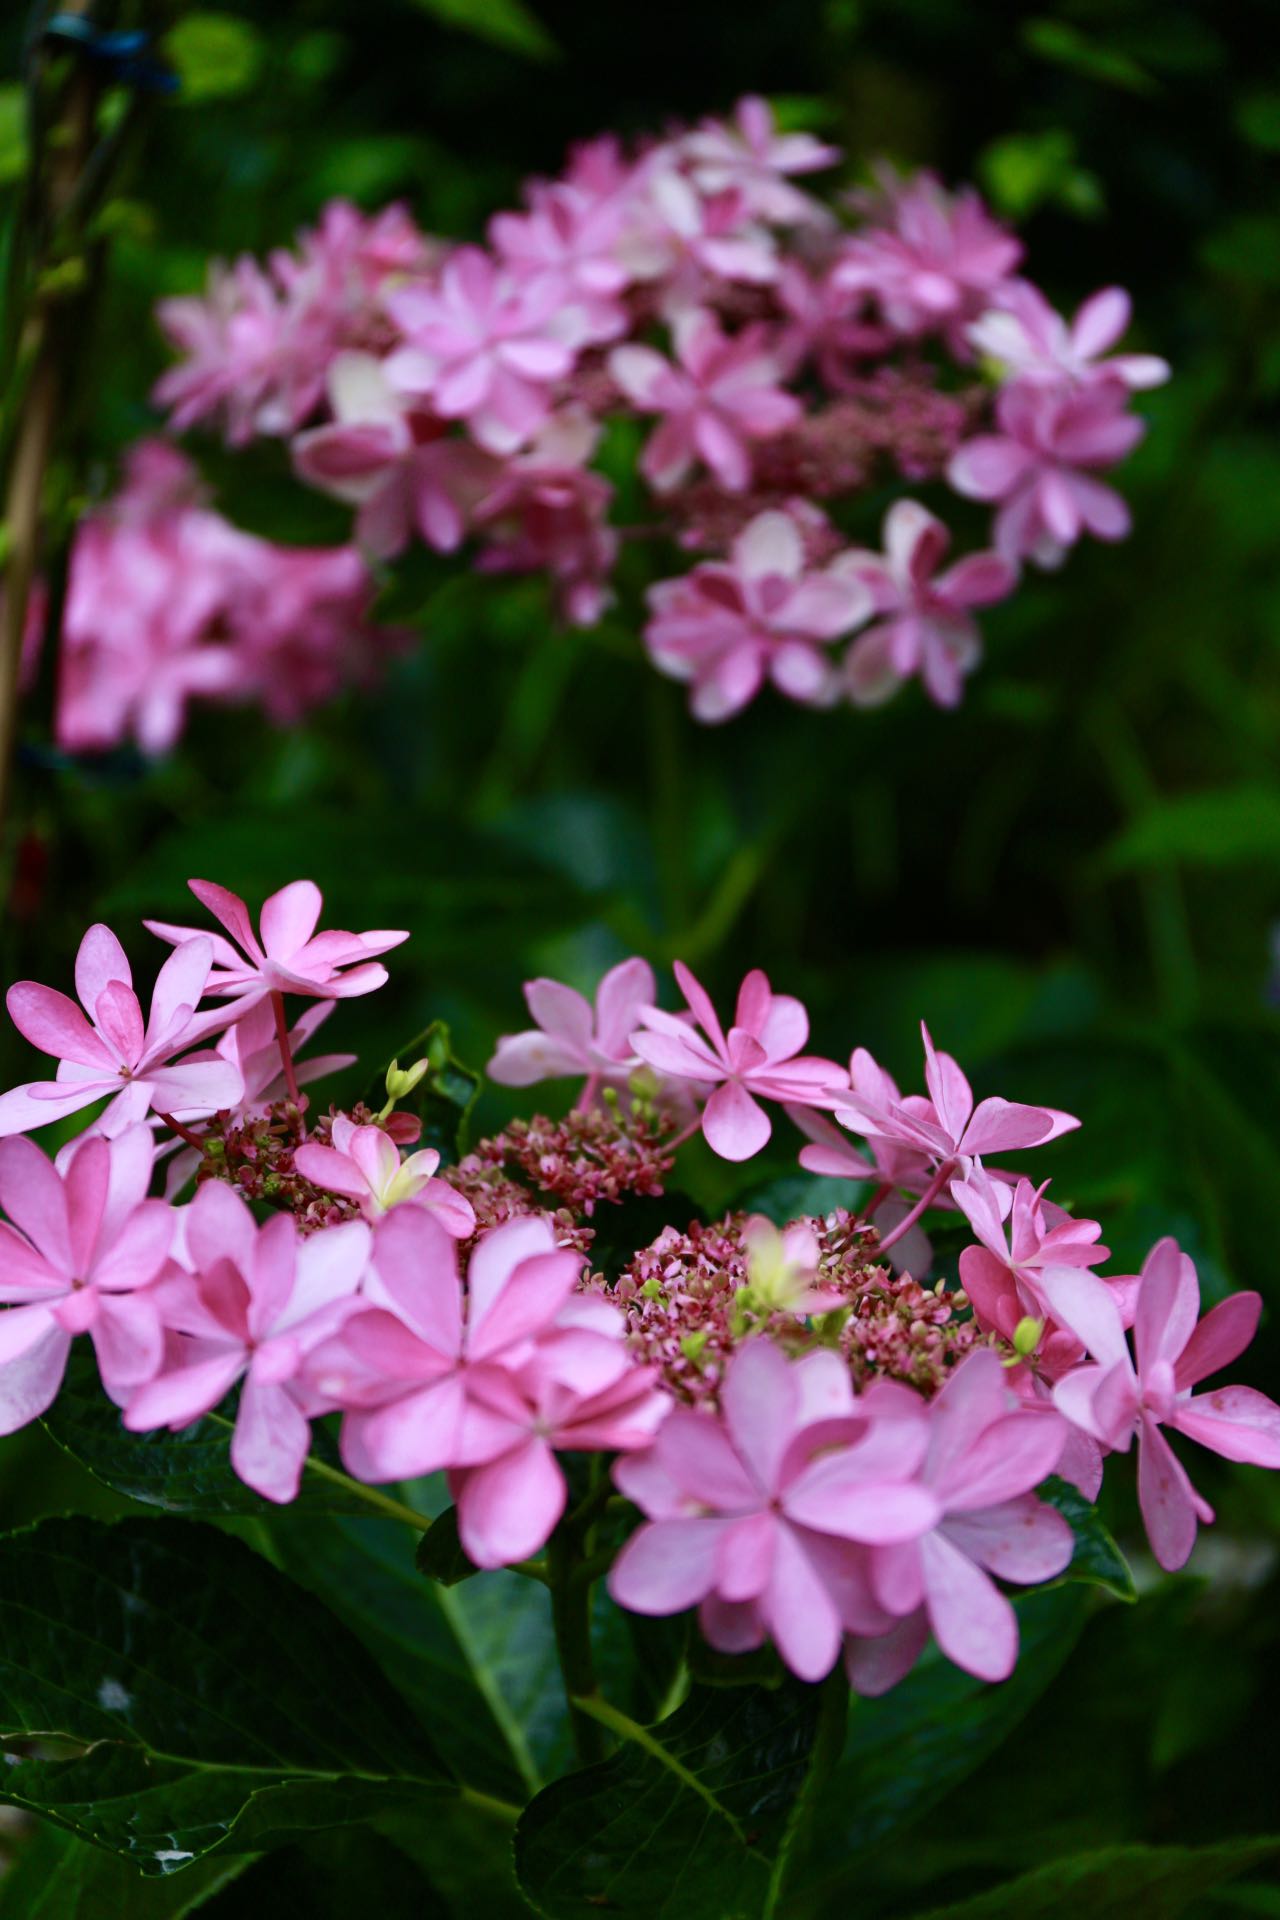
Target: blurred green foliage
1075,879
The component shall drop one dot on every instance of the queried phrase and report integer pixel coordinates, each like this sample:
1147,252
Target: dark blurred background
1075,879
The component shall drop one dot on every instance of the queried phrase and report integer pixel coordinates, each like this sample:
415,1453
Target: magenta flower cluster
777,361
823,1448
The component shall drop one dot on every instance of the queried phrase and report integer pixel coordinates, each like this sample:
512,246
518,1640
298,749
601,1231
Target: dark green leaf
682,1827
218,1706
1097,1559
440,1555
331,1877
1116,1883
56,1877
1228,827
216,55
187,1472
479,1665
508,23
905,1751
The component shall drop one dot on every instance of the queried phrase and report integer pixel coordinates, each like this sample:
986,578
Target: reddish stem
590,1087
286,1056
688,1133
926,1200
877,1199
184,1133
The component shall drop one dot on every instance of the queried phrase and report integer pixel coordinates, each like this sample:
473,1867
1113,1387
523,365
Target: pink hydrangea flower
690,243
721,394
390,462
572,1037
932,260
364,1165
1119,1396
986,1452
1029,340
751,158
1022,1234
569,240
241,356
1039,468
489,1383
950,1130
81,1255
291,956
111,1054
547,512
482,347
823,324
759,1059
726,626
925,625
256,1299
749,1515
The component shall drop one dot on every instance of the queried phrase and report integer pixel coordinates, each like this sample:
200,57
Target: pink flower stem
590,1088
880,1195
286,1056
922,1204
183,1133
688,1133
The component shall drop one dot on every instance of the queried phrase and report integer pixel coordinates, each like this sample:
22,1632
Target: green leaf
1097,1559
218,1706
1229,827
187,1472
13,134
1063,44
215,55
902,1753
56,1877
1116,1883
508,23
332,1877
1258,118
443,1098
480,1666
440,1554
681,1826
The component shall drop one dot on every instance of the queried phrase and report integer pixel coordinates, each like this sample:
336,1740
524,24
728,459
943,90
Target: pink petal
745,1556
178,1398
761,1402
622,996
229,910
1086,1306
1237,1422
289,918
179,984
666,1566
416,1435
698,1458
41,1102
1014,1454
561,1012
35,1199
270,1442
195,1088
334,1172
1169,1503
100,960
55,1024
529,1300
1100,322
988,467
128,1340
799,1611
33,1359
1220,1338
508,1508
948,1088
1168,1306
1021,1540
974,1625
733,1124
876,1665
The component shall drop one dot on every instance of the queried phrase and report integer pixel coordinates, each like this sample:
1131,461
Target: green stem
371,1496
828,1745
504,1810
571,1620
595,1707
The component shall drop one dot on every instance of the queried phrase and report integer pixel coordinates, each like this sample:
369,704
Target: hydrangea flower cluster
777,363
817,1443
167,602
